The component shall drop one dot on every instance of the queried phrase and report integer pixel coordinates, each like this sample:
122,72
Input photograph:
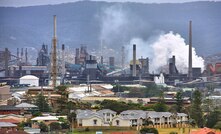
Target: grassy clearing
160,130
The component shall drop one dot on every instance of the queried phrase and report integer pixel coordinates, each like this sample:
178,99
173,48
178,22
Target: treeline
151,90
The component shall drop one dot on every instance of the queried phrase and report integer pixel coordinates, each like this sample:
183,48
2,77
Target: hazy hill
117,23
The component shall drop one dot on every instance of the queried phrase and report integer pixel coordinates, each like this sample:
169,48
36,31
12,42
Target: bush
87,129
173,133
65,125
149,130
43,127
55,126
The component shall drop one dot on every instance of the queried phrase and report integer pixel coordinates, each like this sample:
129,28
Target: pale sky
19,3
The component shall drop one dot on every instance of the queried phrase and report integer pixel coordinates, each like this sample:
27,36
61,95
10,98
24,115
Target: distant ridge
81,23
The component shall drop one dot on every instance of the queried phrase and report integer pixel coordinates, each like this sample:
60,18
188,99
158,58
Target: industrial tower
190,75
54,56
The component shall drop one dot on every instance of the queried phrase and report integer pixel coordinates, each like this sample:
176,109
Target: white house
90,118
130,118
31,80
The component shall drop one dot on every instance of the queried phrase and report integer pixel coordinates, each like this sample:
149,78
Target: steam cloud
163,48
118,29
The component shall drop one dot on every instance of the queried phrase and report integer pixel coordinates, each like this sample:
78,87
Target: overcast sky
18,3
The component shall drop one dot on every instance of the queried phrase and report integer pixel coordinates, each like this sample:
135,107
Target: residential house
26,107
7,126
7,109
18,118
45,119
90,118
130,118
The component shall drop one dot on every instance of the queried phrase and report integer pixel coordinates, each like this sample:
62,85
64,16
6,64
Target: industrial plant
53,69
101,90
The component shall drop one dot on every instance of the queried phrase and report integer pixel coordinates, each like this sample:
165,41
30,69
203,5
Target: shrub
149,130
65,125
173,132
43,127
87,129
55,126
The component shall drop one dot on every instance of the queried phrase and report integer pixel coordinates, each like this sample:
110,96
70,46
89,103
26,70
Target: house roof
84,114
106,111
205,131
181,114
42,118
7,107
14,115
26,105
10,121
7,124
133,114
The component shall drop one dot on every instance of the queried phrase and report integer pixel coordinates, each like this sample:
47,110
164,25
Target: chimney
123,57
6,57
26,56
190,75
102,60
54,56
134,61
22,53
111,62
77,56
63,62
18,56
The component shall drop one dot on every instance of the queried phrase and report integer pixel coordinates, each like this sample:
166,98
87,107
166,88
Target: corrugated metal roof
29,77
7,124
42,118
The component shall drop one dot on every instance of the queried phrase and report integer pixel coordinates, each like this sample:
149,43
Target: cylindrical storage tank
31,80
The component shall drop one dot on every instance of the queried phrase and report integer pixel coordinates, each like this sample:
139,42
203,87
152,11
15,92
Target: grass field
160,130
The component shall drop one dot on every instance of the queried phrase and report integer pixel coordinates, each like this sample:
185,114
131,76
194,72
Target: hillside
116,23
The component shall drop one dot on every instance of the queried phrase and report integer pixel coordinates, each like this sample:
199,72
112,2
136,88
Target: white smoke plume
120,26
163,48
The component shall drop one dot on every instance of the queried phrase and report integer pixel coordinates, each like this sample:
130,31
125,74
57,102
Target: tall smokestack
6,57
102,60
123,57
190,75
22,53
18,56
134,61
54,56
63,62
26,56
77,56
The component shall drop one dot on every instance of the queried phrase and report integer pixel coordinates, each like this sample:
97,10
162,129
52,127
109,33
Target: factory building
111,62
144,66
43,58
18,71
81,54
172,66
90,71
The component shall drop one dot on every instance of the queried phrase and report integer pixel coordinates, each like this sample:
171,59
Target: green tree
72,118
63,100
160,106
55,126
42,103
43,127
149,130
196,110
213,118
218,125
179,102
